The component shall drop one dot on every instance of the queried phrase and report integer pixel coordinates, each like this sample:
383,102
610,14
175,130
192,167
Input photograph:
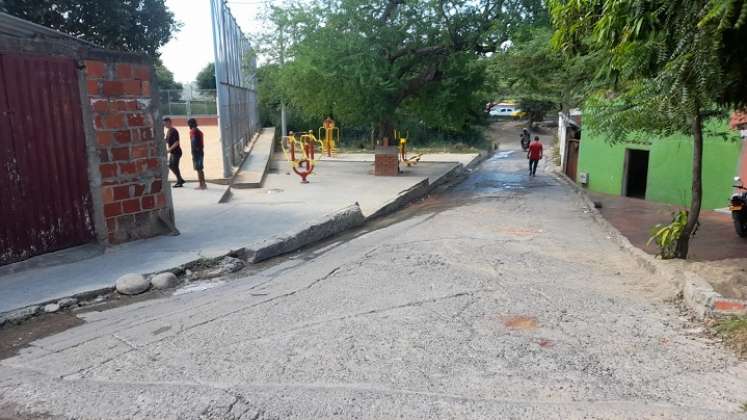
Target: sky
192,47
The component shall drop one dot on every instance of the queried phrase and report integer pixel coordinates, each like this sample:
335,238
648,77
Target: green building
658,169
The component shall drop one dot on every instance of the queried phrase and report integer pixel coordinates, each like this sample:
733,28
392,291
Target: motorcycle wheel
739,225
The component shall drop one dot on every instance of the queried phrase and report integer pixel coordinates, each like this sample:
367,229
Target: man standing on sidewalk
198,151
534,154
174,150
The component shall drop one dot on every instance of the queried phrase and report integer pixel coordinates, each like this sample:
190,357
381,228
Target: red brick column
386,161
131,165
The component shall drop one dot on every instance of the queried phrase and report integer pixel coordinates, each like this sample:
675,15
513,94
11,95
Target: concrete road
498,299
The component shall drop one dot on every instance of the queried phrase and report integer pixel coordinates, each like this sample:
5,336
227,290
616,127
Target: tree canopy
538,76
206,77
383,61
127,25
166,77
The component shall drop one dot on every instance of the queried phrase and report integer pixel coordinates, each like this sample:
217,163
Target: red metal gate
44,190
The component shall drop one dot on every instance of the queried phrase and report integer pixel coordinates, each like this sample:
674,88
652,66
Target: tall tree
127,25
166,78
379,61
206,77
531,70
668,65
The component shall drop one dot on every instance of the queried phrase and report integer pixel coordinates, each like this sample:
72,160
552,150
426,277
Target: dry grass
734,333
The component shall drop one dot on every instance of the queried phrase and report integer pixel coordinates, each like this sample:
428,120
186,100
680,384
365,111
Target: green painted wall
669,167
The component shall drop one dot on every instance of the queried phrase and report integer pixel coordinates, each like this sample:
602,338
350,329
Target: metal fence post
235,94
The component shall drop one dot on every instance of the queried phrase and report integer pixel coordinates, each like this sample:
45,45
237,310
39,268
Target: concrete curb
697,293
405,197
226,197
338,222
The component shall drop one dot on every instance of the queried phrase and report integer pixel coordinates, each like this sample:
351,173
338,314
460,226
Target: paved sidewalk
209,229
634,218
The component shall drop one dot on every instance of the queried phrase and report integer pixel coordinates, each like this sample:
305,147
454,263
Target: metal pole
283,125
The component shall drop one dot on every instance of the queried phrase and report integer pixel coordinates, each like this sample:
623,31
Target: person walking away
174,150
198,151
525,139
534,155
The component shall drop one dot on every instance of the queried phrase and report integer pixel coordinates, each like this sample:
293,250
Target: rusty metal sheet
43,167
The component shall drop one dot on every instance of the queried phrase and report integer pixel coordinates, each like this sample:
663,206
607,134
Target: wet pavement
498,298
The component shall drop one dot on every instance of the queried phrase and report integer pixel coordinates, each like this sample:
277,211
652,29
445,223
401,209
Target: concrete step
253,170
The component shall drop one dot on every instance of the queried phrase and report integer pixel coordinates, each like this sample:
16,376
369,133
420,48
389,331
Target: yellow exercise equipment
412,160
331,136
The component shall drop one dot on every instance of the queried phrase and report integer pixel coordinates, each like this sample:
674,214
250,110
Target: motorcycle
738,208
525,142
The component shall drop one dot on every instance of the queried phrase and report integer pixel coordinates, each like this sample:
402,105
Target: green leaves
666,236
381,62
206,77
128,25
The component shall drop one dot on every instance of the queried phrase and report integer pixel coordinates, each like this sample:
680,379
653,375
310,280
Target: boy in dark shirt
198,151
174,150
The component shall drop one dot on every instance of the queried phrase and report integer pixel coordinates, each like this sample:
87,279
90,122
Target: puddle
274,191
503,155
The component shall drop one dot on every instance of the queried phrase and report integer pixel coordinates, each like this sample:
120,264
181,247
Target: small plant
666,236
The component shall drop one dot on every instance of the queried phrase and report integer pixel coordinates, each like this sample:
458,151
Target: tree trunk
386,130
683,243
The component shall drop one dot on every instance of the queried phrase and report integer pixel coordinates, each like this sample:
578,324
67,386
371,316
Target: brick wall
386,161
131,162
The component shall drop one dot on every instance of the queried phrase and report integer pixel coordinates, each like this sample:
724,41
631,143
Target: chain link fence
189,101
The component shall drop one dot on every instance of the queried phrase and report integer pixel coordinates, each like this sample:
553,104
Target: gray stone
331,225
227,265
51,308
132,284
165,280
231,265
67,302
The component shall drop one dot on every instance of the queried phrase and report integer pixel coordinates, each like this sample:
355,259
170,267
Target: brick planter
386,161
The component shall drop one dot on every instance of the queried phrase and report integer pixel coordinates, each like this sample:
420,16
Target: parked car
501,111
506,111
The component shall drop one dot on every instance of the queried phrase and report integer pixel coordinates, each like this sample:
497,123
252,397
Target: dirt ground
728,277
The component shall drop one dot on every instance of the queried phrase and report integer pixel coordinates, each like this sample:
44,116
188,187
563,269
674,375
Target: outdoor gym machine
412,160
299,149
331,136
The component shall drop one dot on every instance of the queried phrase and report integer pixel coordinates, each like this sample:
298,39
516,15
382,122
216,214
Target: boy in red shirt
534,154
198,151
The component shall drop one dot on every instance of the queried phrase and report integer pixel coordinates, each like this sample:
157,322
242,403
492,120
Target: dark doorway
636,173
571,166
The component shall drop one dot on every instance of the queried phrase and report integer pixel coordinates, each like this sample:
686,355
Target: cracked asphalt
499,298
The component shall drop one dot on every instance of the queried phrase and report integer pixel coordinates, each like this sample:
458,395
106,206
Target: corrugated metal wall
45,199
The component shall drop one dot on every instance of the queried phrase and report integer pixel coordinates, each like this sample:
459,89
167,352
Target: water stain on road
521,322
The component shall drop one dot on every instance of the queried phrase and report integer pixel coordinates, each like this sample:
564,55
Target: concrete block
331,225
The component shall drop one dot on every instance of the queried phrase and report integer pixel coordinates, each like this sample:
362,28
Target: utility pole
283,125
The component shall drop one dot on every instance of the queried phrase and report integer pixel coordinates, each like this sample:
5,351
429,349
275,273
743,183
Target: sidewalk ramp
253,170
